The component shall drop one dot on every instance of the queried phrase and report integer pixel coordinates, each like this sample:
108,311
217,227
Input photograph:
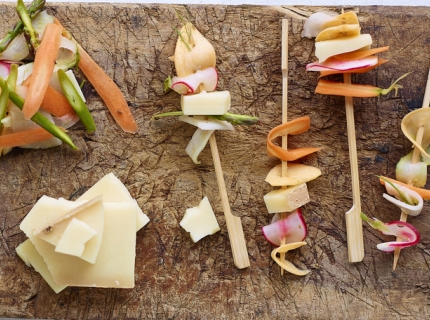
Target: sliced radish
189,84
207,123
4,69
342,65
407,232
293,228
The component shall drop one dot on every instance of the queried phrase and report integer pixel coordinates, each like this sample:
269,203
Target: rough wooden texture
176,278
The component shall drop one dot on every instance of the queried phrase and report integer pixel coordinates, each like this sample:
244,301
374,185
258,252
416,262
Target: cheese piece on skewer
288,199
74,238
206,103
113,190
329,48
28,253
297,173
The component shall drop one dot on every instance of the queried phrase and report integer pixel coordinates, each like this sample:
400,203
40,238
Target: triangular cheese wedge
113,190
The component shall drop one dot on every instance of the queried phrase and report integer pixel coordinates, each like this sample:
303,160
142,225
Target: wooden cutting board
176,278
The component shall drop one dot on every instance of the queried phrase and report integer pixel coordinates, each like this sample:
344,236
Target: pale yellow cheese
200,221
326,49
297,173
206,103
113,190
28,253
57,213
286,200
74,238
114,266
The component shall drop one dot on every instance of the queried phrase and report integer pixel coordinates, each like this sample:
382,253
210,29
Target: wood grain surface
179,279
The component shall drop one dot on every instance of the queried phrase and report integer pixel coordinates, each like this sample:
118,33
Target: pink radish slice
293,228
4,69
405,231
342,65
189,84
408,233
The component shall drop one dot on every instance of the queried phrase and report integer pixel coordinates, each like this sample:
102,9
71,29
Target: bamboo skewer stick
415,159
234,224
354,225
284,66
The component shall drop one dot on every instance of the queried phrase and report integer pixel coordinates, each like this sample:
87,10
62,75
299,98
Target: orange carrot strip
422,192
17,139
44,63
54,102
348,90
107,89
360,70
359,54
296,126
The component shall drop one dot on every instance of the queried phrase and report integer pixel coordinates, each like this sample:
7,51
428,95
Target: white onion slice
197,143
67,54
207,123
313,24
17,49
24,71
412,210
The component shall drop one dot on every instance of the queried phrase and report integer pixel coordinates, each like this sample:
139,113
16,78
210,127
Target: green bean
4,99
76,101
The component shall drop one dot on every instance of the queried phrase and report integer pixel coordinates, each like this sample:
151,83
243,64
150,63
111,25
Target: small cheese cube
206,103
328,48
286,200
200,221
74,238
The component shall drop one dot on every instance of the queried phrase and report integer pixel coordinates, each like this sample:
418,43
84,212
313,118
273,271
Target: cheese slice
49,217
114,266
206,103
74,238
113,190
297,173
200,221
28,253
328,48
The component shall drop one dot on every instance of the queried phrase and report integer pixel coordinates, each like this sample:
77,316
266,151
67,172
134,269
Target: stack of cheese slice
89,242
341,48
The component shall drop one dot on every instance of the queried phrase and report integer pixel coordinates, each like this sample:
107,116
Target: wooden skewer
415,159
234,224
284,66
354,225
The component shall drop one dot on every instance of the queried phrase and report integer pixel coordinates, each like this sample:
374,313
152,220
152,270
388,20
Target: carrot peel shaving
424,193
355,90
44,63
296,126
21,138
